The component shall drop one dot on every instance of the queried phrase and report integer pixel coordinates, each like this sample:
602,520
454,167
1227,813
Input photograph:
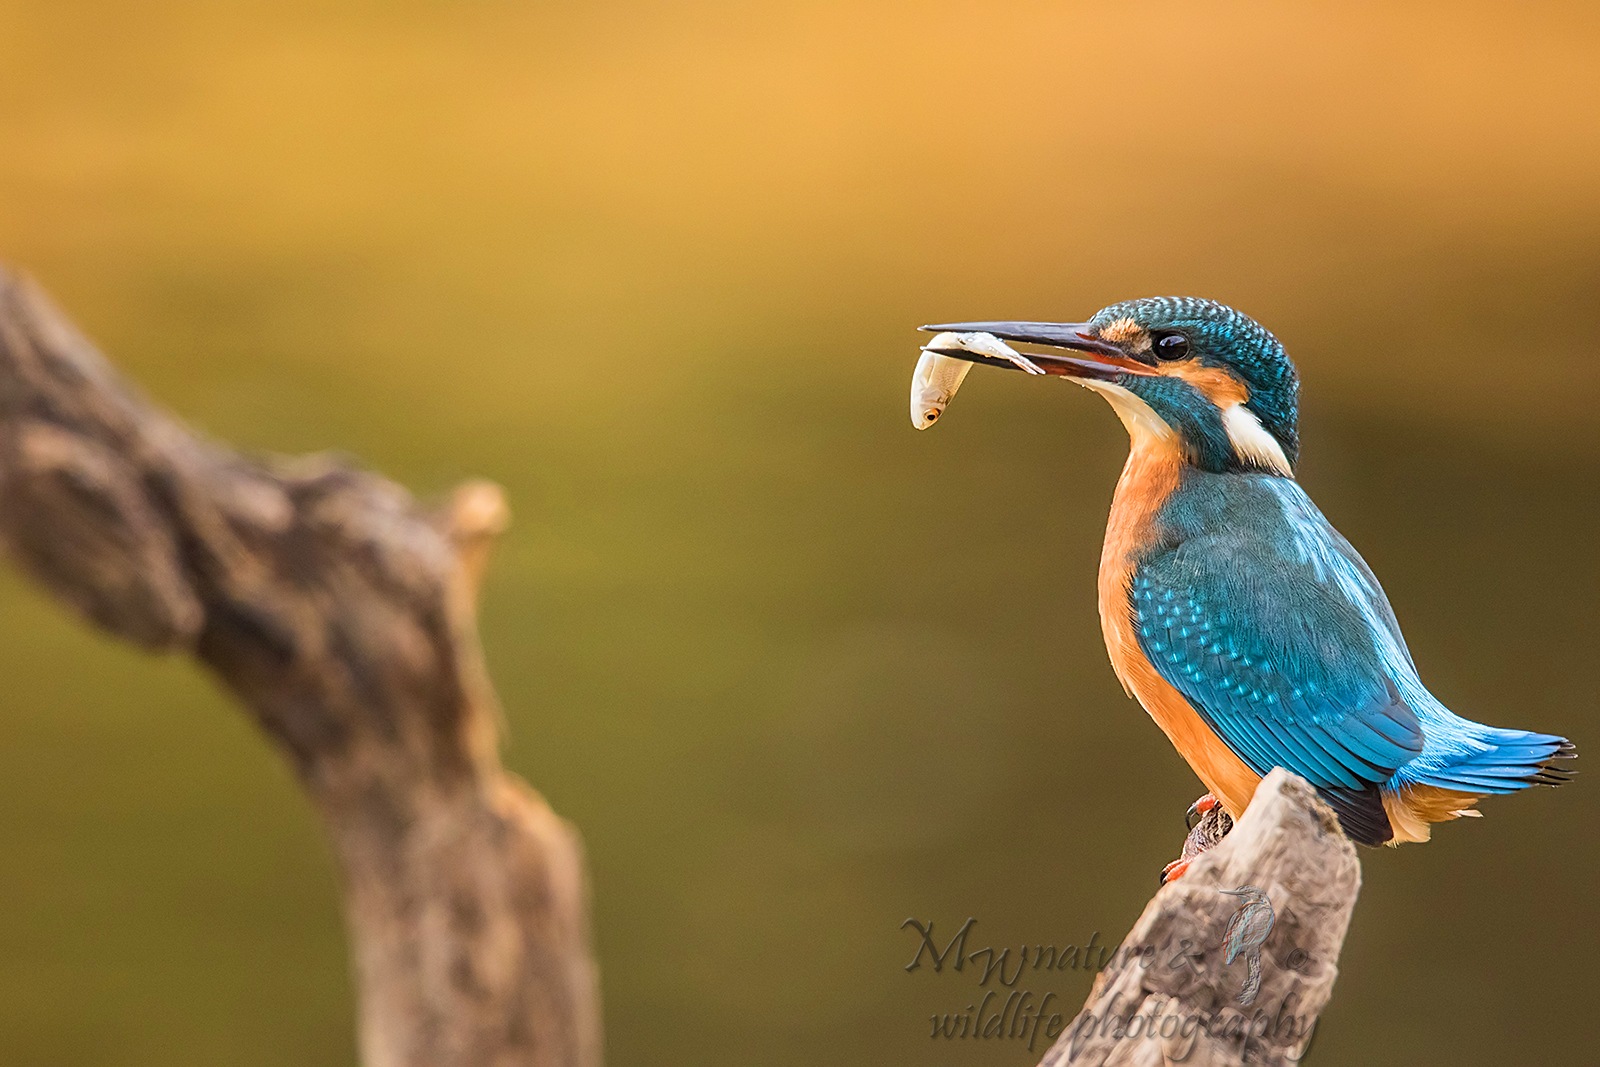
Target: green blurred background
797,671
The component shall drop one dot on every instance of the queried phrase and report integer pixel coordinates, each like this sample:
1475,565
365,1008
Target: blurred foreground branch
342,615
1169,998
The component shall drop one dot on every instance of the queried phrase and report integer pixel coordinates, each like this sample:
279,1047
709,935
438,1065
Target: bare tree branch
342,615
1168,996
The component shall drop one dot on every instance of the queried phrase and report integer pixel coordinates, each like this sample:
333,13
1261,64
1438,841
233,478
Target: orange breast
1151,475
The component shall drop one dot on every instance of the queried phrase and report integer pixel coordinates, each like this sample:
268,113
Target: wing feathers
1279,659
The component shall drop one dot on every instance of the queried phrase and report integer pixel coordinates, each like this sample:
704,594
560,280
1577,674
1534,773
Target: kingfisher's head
1193,373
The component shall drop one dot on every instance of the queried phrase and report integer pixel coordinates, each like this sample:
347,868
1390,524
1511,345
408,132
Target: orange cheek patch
1127,334
1214,383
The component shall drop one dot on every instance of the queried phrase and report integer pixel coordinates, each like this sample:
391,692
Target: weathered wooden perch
1168,998
342,615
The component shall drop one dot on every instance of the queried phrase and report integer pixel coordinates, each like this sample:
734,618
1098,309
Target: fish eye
1171,346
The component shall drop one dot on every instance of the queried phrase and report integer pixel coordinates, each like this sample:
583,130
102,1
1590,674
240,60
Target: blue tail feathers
1487,760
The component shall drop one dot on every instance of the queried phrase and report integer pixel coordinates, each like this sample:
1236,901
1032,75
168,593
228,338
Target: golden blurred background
797,671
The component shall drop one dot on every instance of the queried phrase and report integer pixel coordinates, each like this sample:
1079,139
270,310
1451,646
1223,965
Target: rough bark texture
1169,998
342,615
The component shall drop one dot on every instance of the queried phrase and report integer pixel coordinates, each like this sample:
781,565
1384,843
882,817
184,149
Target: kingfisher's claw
1197,811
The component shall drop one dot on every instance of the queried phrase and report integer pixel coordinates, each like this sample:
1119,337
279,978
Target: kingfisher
1247,932
1244,623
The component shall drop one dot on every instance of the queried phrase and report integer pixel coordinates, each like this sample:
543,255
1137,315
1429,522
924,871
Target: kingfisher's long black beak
1101,360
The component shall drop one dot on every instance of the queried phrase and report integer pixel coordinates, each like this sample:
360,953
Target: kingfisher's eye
1171,346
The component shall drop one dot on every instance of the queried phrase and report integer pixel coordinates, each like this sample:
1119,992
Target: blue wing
1278,656
1247,929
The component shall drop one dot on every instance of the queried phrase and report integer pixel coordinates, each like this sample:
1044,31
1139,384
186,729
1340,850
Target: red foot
1198,809
1207,824
1174,870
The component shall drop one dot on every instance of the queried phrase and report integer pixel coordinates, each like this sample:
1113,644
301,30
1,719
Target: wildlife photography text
1006,1007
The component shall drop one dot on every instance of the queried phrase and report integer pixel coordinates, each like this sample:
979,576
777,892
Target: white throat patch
1143,424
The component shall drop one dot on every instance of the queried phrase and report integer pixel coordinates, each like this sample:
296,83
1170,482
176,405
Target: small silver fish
933,383
937,377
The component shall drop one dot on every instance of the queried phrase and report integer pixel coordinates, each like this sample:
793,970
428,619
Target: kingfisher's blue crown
1219,336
